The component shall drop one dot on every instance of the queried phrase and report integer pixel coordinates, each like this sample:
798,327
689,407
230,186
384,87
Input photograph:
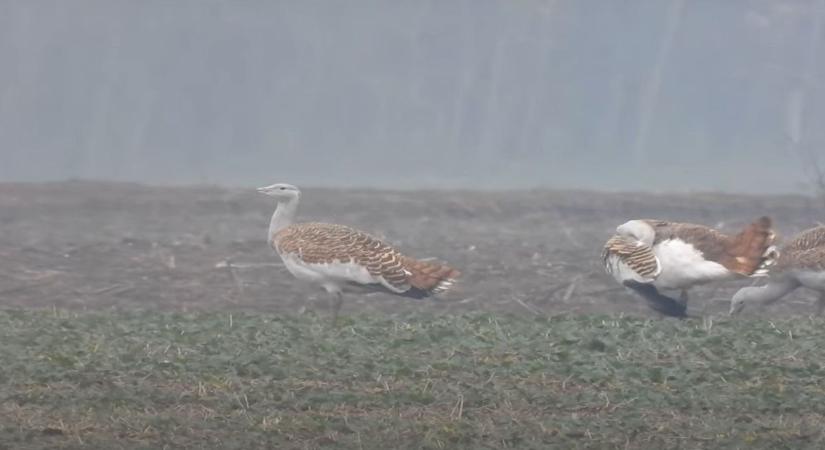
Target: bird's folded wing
329,247
811,259
627,259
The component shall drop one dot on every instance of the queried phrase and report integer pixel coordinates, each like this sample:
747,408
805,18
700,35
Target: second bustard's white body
648,255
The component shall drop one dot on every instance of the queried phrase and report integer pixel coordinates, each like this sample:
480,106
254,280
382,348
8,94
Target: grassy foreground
152,380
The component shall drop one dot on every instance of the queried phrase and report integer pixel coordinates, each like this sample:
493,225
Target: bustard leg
658,302
683,297
820,304
336,305
336,298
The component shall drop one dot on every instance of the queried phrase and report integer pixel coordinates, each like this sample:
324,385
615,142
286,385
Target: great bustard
334,256
648,255
801,262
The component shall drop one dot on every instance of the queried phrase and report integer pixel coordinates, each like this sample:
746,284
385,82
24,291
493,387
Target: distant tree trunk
490,131
797,112
19,81
650,92
467,67
98,159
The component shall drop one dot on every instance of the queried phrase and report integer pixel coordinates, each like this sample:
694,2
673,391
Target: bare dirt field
93,246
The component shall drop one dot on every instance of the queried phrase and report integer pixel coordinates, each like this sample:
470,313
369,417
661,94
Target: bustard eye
282,188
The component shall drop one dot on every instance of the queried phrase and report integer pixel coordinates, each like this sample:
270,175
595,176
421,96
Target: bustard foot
336,307
820,304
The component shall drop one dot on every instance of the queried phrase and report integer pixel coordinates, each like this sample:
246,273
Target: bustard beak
263,190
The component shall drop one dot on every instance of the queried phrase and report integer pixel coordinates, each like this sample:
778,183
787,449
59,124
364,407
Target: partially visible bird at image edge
801,262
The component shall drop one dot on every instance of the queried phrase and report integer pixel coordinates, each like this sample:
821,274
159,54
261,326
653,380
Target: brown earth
89,245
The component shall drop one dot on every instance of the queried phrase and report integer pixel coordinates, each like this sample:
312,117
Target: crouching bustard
801,262
648,255
335,256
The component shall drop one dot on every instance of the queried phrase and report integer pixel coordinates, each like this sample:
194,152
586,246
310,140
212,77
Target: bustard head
737,303
638,230
281,191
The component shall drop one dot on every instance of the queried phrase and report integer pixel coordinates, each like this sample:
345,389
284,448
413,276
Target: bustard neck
283,216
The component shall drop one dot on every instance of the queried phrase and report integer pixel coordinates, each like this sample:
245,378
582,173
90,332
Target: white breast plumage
685,266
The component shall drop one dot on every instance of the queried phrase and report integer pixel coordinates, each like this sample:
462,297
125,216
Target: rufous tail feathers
752,251
429,276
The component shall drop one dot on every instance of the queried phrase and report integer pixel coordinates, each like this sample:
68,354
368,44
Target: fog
623,95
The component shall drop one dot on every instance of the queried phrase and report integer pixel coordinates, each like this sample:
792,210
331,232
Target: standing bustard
801,262
336,255
648,255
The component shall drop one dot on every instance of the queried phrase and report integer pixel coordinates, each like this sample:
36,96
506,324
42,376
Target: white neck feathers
283,216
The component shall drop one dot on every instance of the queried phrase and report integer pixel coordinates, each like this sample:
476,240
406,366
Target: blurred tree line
670,94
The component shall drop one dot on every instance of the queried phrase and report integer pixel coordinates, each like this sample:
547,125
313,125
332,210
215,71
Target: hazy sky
653,95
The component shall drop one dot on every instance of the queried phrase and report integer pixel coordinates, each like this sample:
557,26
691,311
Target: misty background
619,95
